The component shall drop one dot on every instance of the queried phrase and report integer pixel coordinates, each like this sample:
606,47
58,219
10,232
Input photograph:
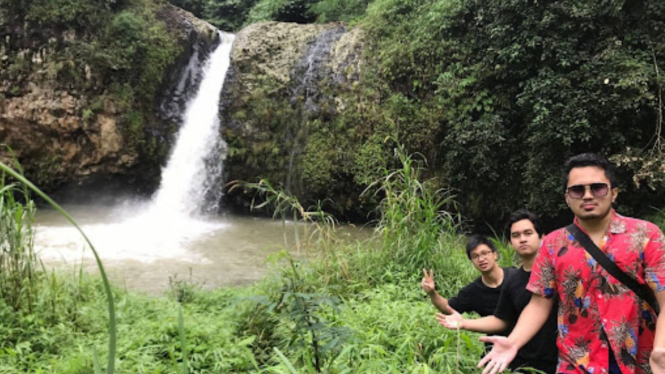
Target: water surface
141,251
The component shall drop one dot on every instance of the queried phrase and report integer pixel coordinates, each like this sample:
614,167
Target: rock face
70,133
286,85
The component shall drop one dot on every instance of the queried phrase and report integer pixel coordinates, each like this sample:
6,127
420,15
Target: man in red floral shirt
603,326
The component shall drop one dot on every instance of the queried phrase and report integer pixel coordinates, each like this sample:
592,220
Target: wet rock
285,81
70,133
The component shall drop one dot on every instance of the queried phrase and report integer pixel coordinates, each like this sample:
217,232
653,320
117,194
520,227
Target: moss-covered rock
283,113
95,91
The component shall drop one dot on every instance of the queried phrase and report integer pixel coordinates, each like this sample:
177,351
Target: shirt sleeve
463,302
542,281
654,259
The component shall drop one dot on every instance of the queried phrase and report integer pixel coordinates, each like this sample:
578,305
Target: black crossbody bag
641,290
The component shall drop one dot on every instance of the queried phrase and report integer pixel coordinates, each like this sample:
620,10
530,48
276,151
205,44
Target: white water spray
194,165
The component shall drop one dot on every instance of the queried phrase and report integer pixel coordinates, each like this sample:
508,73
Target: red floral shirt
595,308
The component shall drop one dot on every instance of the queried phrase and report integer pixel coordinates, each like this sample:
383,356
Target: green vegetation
350,307
496,95
19,259
232,15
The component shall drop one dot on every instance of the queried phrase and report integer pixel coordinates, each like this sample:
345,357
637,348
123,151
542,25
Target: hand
428,282
657,361
454,321
502,353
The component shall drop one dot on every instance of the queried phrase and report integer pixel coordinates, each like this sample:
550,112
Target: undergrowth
336,307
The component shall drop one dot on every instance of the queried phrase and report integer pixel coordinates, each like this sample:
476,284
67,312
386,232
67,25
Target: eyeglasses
477,256
597,190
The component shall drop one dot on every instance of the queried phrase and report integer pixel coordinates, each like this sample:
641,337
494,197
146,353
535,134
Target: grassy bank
349,308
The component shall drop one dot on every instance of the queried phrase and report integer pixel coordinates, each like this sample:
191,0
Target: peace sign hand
428,282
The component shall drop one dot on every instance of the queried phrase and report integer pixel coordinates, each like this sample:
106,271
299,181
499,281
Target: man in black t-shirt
481,295
540,352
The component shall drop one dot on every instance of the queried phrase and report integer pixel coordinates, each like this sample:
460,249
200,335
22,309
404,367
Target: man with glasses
604,327
540,352
482,294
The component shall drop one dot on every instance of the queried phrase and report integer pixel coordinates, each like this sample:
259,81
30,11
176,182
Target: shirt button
600,296
604,320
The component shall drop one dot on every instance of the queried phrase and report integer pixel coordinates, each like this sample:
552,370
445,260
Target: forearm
531,320
485,325
440,302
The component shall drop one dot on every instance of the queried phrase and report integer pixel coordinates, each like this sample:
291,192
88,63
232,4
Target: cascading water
189,188
190,181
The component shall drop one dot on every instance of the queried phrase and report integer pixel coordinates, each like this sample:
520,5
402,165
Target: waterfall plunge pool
141,250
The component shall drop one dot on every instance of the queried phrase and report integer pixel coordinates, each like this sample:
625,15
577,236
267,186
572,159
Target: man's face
591,205
483,258
523,238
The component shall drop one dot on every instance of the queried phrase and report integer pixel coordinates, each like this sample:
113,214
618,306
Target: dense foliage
523,85
232,15
495,95
97,45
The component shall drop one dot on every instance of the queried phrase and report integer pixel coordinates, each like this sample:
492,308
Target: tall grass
317,223
415,219
342,308
17,258
23,254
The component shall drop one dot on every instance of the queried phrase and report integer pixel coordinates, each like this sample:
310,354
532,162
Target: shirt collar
617,224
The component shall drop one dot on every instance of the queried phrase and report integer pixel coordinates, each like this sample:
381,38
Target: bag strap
641,290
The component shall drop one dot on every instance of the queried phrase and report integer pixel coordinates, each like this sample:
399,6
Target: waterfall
164,227
191,179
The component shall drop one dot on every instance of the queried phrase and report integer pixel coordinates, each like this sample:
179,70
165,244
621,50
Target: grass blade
285,360
183,341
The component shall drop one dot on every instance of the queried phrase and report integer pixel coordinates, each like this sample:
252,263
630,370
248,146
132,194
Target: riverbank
347,307
343,315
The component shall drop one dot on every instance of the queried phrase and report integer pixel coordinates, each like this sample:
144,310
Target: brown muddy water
141,249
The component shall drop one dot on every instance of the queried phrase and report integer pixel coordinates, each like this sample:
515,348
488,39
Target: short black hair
589,159
477,240
522,214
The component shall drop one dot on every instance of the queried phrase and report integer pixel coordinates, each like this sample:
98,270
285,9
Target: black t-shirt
477,297
540,352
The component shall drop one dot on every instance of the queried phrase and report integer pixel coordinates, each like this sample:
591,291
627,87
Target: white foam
145,238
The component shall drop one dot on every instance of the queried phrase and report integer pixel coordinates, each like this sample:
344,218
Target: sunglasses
597,190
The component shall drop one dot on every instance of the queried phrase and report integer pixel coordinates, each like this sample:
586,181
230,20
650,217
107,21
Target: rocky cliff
95,103
286,86
79,105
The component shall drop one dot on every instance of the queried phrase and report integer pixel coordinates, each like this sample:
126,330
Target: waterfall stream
191,179
190,187
306,93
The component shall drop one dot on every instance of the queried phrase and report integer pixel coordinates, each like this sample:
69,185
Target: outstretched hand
657,361
453,321
428,282
502,353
